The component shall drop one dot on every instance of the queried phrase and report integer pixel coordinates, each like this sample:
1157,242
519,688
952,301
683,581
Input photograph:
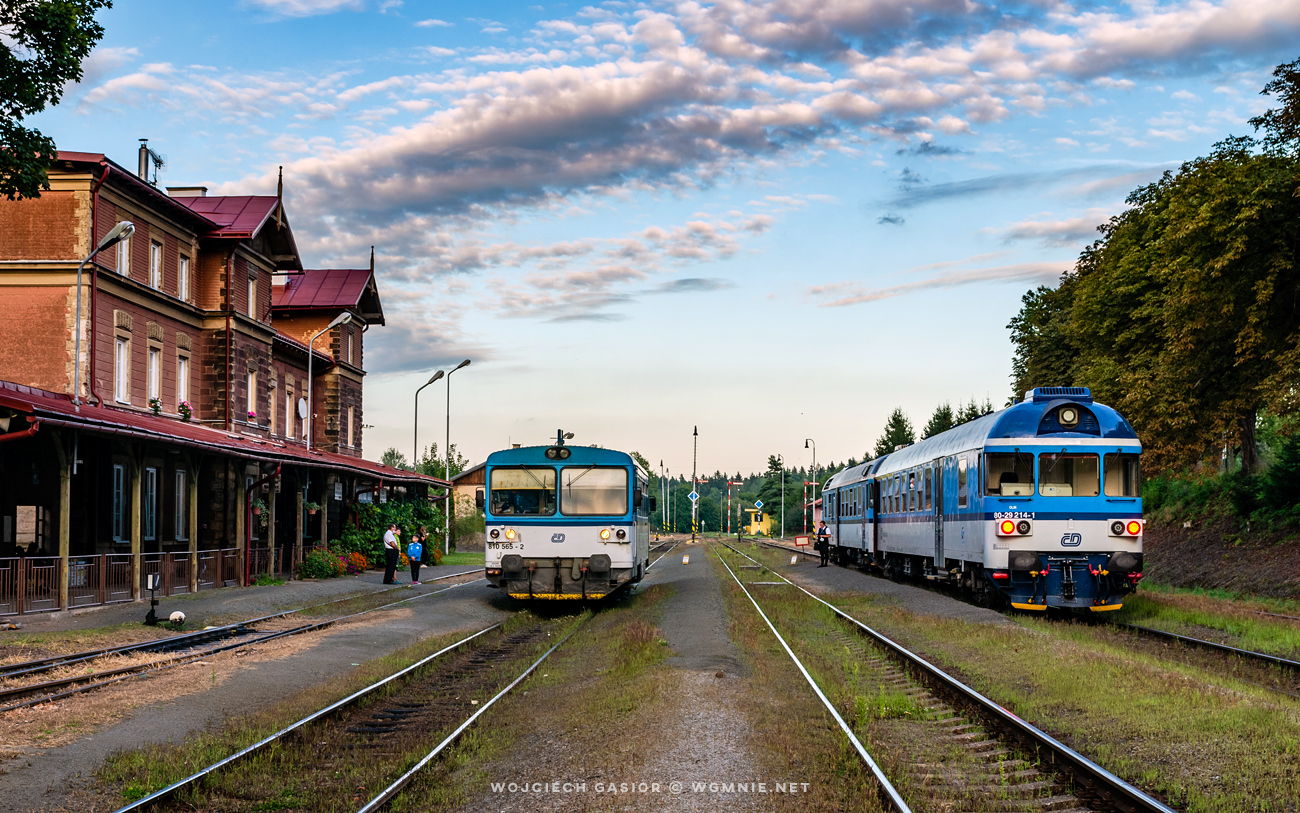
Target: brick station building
174,439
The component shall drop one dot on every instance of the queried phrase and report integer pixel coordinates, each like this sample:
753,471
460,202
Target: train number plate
501,545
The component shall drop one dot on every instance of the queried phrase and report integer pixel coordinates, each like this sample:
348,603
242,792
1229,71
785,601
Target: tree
970,411
1282,126
392,457
1044,356
434,464
42,44
940,421
898,432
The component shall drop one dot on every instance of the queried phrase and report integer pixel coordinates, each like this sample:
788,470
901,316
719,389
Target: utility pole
695,504
782,459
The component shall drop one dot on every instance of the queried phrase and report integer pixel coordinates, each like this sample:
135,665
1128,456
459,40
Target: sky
774,220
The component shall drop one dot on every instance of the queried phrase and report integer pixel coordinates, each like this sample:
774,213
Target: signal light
622,534
1134,527
604,533
1008,527
510,533
997,575
495,533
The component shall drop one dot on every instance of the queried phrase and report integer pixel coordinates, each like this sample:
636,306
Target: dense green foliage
1184,315
41,51
367,537
898,432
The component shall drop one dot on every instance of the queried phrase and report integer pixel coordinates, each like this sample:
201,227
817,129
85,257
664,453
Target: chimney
187,191
514,446
143,172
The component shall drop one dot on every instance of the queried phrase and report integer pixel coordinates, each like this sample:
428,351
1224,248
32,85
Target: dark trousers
825,551
415,570
390,566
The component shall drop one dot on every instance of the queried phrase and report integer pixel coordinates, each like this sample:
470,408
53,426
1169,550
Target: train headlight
1068,417
1007,527
604,533
510,534
494,533
1023,527
1117,528
1125,527
1134,527
622,534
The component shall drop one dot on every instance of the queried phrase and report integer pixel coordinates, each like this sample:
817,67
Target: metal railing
31,584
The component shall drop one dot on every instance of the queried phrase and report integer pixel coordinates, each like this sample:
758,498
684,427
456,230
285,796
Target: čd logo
557,537
1071,540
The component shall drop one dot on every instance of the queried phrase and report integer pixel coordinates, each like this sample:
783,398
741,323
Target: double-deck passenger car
565,522
1038,504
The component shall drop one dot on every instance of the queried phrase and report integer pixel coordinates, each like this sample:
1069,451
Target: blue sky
775,220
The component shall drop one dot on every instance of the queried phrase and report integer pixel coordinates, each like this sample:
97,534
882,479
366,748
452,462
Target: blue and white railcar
1039,503
565,522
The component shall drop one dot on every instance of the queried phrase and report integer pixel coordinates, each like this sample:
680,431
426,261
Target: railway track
188,648
377,727
991,731
1258,659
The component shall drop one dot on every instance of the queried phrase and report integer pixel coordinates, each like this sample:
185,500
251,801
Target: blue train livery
1038,505
565,522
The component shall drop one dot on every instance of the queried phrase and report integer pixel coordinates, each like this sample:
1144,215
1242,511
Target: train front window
522,492
593,491
1010,474
1123,475
1068,475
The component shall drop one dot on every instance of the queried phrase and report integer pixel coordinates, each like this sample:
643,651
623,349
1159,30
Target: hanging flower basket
312,507
257,512
187,411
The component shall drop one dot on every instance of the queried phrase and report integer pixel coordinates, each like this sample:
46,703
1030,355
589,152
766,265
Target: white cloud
837,295
431,23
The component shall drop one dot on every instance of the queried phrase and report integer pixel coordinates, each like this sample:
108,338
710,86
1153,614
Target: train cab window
1009,474
928,490
523,491
593,490
1123,475
962,486
1068,475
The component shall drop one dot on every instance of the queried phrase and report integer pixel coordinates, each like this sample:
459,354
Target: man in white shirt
390,554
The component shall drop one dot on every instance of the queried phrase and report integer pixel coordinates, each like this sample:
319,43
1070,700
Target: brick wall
34,336
43,229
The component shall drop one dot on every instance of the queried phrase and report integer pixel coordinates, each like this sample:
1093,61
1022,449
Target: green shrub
320,565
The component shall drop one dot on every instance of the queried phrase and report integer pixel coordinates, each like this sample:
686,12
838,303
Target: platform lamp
447,509
341,319
118,233
415,441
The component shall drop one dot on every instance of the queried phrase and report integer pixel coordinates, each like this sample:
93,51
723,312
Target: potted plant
186,411
252,416
258,505
312,507
155,404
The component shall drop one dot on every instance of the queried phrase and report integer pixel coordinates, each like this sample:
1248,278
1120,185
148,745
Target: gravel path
925,600
695,620
39,782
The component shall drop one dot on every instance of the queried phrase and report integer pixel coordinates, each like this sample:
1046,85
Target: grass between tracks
1222,618
1207,743
576,718
263,782
894,728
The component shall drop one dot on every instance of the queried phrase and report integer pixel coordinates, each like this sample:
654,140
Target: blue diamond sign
758,503
692,496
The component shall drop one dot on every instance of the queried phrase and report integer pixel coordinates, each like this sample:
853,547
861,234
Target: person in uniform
391,550
415,551
824,543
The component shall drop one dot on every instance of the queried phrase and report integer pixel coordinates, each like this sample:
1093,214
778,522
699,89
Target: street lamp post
447,509
415,441
807,441
121,231
782,459
341,319
695,504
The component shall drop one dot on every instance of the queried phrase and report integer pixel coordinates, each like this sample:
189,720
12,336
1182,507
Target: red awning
56,409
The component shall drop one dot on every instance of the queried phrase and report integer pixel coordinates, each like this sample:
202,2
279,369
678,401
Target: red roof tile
235,215
323,288
56,409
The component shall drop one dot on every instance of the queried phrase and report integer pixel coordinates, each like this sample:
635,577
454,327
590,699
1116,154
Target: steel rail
182,660
1088,773
166,792
401,782
1272,660
885,785
45,664
662,555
